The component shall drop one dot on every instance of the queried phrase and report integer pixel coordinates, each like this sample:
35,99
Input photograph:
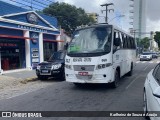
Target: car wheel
62,77
78,84
145,105
115,83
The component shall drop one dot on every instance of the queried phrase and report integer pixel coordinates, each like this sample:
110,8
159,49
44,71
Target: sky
94,6
121,7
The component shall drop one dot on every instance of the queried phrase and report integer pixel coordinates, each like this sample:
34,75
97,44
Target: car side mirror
117,41
156,92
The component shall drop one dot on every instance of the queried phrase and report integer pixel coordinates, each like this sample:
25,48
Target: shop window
12,54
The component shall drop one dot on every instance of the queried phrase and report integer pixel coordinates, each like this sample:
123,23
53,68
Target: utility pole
140,19
151,40
107,10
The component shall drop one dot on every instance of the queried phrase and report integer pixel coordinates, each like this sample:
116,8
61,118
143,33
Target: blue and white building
26,37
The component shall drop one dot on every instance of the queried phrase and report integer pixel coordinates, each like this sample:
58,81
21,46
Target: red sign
8,45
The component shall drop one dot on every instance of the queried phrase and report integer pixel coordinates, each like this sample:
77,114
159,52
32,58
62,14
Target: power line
18,2
35,3
26,5
50,1
40,3
26,1
32,4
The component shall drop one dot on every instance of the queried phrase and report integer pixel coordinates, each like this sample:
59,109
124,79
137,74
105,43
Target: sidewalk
15,83
13,78
22,74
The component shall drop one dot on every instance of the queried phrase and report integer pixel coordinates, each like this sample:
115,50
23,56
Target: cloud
121,6
89,6
153,10
153,25
94,6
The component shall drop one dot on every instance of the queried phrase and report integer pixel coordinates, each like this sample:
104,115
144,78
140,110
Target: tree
145,43
69,17
157,38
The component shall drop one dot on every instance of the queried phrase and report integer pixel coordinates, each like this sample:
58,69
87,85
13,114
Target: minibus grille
83,67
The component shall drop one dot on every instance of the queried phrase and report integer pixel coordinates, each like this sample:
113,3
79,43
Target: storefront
26,38
12,54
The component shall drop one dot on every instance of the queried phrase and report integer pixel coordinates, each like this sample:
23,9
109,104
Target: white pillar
60,44
27,49
41,47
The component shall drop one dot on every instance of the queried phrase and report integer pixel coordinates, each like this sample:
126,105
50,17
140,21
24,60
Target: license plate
44,71
83,73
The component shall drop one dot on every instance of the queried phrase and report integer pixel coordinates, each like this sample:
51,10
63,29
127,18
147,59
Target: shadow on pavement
88,86
51,79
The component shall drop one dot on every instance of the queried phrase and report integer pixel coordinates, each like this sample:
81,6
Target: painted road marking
132,82
145,68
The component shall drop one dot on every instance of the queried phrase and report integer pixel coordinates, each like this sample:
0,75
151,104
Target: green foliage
69,17
157,38
144,42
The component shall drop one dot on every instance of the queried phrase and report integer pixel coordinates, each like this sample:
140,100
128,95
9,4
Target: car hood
48,63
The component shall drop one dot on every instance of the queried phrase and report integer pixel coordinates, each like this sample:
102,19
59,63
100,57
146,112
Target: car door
117,53
154,82
124,54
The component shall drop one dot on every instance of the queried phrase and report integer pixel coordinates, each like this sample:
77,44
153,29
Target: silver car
146,56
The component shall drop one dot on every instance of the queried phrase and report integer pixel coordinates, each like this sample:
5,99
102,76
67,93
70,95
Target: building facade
153,44
94,16
26,37
139,18
65,38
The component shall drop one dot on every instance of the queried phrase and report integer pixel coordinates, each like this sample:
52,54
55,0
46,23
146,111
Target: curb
32,79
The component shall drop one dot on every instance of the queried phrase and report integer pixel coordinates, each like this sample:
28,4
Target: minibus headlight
101,66
68,66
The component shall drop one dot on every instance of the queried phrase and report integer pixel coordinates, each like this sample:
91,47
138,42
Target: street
50,48
63,96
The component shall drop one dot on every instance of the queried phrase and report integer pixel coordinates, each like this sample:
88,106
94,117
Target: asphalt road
63,96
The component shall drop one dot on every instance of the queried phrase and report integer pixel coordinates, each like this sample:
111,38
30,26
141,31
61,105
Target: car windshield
147,54
154,53
91,40
57,56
